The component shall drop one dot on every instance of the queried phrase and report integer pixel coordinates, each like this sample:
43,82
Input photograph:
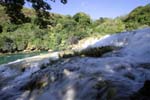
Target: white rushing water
115,76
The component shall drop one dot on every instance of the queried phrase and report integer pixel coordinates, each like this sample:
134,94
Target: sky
97,8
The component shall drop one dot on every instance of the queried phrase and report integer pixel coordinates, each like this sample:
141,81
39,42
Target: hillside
63,30
139,16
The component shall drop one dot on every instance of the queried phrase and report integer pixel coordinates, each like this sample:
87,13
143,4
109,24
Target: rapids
117,75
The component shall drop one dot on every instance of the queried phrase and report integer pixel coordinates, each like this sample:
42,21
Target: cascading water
116,75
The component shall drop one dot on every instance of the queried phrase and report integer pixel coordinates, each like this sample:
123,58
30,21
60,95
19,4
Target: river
5,58
117,75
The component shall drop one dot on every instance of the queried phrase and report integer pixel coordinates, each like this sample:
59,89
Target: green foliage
13,8
59,31
138,17
7,44
82,18
110,26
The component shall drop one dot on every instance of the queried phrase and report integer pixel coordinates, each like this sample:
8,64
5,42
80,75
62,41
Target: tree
110,26
82,18
13,9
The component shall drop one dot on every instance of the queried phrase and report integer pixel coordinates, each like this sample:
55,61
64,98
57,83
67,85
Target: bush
73,40
7,45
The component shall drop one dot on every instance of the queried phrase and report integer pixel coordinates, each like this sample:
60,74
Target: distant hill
139,16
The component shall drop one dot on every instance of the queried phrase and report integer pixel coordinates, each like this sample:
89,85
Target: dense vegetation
138,17
61,30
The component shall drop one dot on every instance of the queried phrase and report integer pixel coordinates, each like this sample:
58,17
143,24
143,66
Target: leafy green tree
7,44
13,9
82,18
101,20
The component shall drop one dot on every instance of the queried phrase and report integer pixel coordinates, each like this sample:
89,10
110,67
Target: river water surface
5,58
117,75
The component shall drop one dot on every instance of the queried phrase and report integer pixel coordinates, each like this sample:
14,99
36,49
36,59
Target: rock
26,51
145,89
145,65
50,50
143,93
66,54
66,72
97,51
36,83
84,43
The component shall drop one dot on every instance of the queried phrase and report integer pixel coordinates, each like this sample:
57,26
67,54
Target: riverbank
9,57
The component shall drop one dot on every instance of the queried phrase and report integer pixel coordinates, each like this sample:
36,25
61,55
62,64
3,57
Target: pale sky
97,8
